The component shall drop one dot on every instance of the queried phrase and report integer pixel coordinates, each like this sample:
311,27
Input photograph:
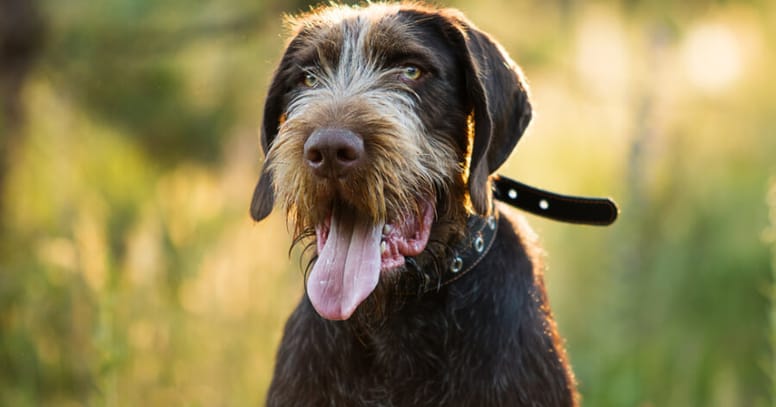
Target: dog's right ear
264,195
274,109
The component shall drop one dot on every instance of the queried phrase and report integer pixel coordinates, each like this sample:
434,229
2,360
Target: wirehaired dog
382,129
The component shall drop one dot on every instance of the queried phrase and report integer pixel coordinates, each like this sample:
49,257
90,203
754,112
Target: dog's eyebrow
311,48
405,55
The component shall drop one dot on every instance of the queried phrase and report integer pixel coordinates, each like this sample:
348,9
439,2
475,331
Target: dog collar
481,230
564,208
480,234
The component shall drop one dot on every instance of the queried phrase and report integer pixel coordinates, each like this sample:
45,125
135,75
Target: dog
382,129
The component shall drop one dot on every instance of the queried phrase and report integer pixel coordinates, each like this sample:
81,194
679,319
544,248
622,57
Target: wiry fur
358,90
488,338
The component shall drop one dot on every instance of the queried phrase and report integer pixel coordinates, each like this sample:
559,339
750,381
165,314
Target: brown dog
382,127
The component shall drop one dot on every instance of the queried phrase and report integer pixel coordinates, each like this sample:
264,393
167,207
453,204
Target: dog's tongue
348,266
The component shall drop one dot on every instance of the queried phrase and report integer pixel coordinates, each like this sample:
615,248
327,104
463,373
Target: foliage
131,274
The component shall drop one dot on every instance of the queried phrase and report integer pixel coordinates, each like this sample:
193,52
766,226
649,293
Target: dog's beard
408,171
422,232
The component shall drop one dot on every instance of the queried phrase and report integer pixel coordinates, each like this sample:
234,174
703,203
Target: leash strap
564,208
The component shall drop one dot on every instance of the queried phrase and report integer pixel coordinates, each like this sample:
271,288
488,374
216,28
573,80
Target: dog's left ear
502,111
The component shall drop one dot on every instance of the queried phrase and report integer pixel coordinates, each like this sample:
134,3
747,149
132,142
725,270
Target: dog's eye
411,73
309,80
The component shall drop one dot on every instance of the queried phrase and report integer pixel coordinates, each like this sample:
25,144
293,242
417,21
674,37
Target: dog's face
381,127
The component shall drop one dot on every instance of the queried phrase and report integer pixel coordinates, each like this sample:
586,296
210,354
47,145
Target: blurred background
131,273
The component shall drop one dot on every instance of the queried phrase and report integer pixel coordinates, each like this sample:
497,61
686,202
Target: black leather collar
564,208
482,229
480,234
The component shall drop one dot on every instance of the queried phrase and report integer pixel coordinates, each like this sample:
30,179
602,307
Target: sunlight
602,57
712,57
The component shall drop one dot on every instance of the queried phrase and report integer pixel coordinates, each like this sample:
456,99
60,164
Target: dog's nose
333,152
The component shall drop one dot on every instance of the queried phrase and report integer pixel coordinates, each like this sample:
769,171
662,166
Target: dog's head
381,128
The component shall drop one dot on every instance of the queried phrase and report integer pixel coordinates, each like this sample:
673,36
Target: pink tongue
348,266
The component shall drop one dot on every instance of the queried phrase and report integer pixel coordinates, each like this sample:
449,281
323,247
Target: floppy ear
274,106
501,109
264,195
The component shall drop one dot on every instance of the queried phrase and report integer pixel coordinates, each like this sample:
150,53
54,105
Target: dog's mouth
353,251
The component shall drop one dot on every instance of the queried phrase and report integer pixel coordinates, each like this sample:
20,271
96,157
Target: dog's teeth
387,229
383,247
